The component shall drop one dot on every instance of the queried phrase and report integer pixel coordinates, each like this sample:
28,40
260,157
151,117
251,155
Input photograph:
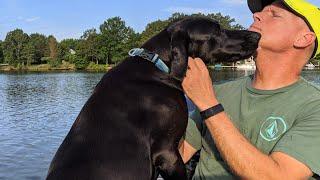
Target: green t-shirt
285,119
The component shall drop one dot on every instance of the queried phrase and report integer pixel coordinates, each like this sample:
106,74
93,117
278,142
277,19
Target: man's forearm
245,160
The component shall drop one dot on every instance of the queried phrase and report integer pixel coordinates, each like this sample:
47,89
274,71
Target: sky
70,18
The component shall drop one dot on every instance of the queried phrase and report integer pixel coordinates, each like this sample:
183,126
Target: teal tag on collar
150,56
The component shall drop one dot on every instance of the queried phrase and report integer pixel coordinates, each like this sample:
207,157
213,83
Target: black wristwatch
211,111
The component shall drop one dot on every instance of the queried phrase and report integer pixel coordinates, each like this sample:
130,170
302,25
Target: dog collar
150,56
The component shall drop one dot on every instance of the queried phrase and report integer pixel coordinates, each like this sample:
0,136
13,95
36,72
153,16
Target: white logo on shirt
272,128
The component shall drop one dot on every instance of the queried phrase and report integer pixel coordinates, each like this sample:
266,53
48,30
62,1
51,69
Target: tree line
108,44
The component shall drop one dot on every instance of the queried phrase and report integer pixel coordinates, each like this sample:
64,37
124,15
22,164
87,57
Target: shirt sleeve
302,141
194,129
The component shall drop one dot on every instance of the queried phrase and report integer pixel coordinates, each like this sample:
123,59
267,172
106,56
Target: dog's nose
257,35
254,36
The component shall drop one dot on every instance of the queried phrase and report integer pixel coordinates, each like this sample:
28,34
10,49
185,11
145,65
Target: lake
38,109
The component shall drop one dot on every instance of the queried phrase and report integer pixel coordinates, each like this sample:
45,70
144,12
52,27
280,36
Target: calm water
38,109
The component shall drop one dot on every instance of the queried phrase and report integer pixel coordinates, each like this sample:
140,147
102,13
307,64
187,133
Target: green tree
29,54
90,46
115,36
176,16
40,45
53,47
67,49
133,42
53,51
226,21
317,58
81,62
14,47
1,52
152,29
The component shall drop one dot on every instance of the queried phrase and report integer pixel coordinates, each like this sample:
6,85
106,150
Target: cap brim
258,5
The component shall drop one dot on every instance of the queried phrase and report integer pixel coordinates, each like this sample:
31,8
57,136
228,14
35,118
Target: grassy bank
64,66
98,67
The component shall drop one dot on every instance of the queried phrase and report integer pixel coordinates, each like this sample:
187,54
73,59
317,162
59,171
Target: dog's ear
179,54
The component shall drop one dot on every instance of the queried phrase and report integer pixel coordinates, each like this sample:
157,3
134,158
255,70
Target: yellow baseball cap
302,8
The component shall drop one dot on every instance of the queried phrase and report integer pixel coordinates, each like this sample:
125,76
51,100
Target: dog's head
204,38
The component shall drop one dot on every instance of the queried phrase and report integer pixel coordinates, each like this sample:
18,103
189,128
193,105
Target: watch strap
211,111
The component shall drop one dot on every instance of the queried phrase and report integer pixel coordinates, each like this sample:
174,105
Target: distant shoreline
68,67
65,67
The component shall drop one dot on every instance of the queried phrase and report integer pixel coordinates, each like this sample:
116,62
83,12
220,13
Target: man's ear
304,40
179,54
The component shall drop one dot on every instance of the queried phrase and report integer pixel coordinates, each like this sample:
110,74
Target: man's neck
274,72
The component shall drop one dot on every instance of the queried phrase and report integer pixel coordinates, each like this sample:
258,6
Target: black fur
131,125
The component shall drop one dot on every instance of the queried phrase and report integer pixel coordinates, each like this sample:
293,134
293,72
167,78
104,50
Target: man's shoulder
310,89
309,93
308,96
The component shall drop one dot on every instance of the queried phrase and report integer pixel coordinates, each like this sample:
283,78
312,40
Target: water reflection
37,111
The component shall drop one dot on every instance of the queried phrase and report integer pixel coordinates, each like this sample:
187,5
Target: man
270,126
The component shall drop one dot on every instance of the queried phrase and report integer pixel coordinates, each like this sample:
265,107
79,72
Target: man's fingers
195,66
191,63
200,64
195,63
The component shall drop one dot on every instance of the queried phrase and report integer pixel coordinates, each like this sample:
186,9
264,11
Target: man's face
278,27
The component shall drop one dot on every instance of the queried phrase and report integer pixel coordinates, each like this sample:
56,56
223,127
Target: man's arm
244,159
186,150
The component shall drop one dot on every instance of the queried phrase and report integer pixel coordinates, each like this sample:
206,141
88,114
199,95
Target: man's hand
186,150
198,85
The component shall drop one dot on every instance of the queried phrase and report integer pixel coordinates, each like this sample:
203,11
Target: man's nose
257,16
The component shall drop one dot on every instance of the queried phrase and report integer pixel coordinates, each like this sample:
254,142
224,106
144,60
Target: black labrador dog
131,125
